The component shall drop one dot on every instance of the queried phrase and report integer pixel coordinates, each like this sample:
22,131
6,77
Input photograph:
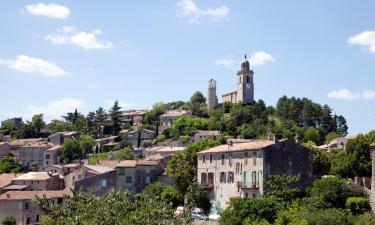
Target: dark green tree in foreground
114,208
197,197
9,220
282,188
114,114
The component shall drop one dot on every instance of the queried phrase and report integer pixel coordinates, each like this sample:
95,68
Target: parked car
179,211
198,216
214,216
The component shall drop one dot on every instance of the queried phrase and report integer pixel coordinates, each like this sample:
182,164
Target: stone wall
98,185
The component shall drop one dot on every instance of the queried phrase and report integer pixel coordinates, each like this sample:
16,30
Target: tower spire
245,56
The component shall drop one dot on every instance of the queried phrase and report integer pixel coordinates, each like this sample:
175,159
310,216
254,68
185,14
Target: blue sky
56,56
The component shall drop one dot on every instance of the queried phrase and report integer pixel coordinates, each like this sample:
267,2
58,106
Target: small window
128,179
28,220
26,205
237,167
48,156
254,158
37,218
230,177
59,201
246,155
211,158
222,177
222,159
204,158
104,183
147,180
121,171
204,178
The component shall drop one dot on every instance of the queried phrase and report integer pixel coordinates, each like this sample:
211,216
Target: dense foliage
115,208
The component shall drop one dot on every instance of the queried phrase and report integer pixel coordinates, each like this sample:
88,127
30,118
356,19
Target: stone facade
212,101
167,119
98,185
239,169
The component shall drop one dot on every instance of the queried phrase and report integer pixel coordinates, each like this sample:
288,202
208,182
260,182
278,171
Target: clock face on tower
248,86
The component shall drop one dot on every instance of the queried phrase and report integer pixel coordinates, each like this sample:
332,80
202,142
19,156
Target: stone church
245,88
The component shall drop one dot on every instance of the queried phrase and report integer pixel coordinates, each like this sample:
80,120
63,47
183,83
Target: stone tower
211,97
245,83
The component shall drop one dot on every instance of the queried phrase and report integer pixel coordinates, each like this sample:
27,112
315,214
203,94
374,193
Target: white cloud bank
365,39
227,62
189,9
109,103
56,108
82,39
48,10
345,94
27,64
260,58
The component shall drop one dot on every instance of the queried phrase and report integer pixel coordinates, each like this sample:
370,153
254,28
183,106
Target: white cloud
365,39
109,103
82,39
56,108
93,86
188,8
27,64
260,58
368,94
227,62
345,94
48,10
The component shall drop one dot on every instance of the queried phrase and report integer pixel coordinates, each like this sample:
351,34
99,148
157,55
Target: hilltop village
211,158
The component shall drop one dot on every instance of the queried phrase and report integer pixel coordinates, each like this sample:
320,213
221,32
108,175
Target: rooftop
133,112
162,149
99,169
6,178
36,176
127,163
174,113
16,187
109,163
207,132
237,147
25,195
21,142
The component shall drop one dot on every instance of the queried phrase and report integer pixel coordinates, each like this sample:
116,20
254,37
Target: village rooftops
163,149
36,176
238,147
207,133
109,163
28,195
175,113
6,178
99,169
134,163
22,142
134,112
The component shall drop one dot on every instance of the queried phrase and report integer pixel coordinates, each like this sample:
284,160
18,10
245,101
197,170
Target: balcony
249,185
207,185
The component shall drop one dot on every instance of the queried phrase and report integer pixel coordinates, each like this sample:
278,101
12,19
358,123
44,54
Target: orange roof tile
237,147
6,178
25,195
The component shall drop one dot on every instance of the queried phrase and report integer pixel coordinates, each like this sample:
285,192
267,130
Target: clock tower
245,83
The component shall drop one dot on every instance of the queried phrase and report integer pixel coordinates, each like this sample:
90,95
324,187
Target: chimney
230,144
8,195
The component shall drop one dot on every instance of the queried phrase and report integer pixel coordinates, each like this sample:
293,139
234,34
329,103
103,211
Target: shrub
8,221
184,139
357,205
331,216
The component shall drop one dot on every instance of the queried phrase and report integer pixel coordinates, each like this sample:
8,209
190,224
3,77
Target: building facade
167,119
240,168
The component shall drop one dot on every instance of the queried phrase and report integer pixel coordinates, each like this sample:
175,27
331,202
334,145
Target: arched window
210,178
204,178
230,177
222,177
248,79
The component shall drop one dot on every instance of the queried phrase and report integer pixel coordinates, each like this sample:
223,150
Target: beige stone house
239,169
37,181
135,117
164,150
167,119
135,175
20,204
206,134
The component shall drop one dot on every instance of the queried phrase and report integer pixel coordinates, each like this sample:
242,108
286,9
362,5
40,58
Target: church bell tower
212,98
245,83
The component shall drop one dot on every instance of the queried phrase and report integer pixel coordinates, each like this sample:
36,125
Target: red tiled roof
6,178
36,176
236,147
25,195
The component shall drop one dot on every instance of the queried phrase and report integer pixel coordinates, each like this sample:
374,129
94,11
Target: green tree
115,118
71,150
330,192
9,164
197,98
115,208
37,122
312,134
9,220
100,121
166,193
183,167
246,209
332,216
282,187
331,135
321,162
197,197
357,205
124,154
86,144
189,126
